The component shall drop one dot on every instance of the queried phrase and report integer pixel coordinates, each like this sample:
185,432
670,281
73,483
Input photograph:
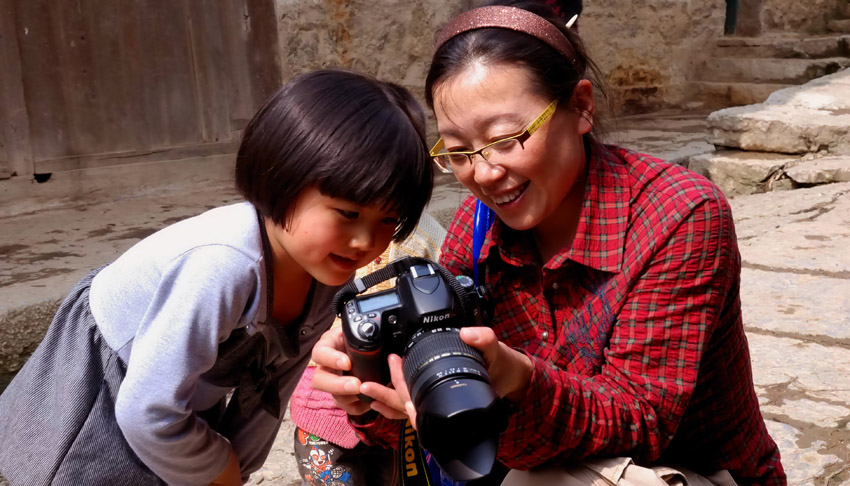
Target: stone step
784,46
767,70
810,118
722,95
841,26
739,172
825,170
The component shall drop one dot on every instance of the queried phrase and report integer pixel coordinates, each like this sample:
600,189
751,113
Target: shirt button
545,335
555,286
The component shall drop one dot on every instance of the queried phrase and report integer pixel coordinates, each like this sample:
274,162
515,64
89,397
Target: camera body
382,323
458,414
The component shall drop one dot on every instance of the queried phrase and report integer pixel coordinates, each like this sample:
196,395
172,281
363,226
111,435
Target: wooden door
107,82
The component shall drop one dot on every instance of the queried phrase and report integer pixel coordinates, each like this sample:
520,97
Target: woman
616,335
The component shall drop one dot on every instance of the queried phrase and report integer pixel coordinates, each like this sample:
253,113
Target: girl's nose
363,238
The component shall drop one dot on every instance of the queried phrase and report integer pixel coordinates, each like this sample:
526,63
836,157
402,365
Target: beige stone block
821,171
813,117
738,173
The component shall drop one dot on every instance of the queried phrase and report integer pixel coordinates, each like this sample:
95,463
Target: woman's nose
485,173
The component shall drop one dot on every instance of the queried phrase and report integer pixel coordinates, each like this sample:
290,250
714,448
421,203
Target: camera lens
456,408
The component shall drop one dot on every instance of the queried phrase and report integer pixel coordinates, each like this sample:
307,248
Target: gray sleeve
200,299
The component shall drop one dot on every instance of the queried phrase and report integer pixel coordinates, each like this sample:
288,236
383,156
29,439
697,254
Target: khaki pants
618,471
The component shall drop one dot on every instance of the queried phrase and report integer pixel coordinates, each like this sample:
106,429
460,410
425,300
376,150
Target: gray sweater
165,306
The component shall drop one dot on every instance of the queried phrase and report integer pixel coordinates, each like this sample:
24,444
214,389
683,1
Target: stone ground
795,247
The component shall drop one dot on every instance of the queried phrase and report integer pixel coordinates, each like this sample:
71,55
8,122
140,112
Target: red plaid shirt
635,331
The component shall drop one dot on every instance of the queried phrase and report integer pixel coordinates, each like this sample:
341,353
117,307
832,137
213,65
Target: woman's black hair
552,75
351,136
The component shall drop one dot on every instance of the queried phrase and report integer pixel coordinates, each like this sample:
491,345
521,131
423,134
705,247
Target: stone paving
795,247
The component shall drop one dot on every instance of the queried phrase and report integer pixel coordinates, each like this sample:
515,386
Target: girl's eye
390,222
348,214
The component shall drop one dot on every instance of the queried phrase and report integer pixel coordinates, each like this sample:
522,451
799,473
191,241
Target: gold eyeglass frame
521,137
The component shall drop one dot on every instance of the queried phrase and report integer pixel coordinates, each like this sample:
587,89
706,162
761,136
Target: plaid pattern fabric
635,331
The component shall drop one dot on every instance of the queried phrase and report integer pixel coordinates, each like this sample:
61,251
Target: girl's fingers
329,380
390,402
383,394
388,411
399,383
329,351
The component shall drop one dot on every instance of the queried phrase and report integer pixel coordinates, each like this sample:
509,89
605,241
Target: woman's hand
231,476
329,354
509,369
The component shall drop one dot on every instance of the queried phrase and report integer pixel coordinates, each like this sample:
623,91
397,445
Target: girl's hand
329,354
231,476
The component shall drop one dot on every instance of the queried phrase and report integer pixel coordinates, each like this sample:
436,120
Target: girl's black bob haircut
351,136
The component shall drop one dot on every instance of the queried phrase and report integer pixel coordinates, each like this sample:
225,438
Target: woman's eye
457,149
348,214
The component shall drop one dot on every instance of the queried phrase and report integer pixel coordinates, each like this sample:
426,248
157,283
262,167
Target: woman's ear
584,104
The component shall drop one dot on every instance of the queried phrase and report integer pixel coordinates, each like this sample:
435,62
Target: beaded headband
510,18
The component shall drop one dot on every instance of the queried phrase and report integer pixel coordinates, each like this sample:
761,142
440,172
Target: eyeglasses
449,162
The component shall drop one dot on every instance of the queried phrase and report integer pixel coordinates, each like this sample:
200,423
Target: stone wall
389,39
810,16
646,49
649,48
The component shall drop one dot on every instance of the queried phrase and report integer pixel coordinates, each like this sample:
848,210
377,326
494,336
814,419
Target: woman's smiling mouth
508,197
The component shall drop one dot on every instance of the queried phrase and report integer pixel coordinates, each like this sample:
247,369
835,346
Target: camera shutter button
368,329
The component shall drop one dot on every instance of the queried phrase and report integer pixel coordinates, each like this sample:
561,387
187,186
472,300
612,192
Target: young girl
324,442
616,338
132,384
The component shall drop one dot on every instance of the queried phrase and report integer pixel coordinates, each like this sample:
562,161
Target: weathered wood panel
15,150
106,78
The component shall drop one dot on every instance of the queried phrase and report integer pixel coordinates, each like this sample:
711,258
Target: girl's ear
584,104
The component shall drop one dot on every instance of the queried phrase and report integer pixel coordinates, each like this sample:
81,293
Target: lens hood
459,422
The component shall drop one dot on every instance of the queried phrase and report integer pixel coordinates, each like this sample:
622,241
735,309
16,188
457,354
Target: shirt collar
601,233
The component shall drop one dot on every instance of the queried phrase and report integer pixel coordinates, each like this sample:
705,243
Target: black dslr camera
458,414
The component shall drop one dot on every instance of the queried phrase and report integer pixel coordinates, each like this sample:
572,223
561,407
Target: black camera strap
412,466
394,269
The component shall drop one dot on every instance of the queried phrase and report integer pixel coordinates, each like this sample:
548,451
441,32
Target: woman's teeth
507,197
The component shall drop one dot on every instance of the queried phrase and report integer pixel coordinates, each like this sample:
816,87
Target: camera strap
394,269
412,464
481,224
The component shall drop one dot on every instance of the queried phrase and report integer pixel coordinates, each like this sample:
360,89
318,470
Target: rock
738,173
821,171
808,118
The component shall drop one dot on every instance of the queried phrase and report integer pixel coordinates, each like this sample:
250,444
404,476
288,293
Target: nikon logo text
430,319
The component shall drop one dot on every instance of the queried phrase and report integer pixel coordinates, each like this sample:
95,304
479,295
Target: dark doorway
731,17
